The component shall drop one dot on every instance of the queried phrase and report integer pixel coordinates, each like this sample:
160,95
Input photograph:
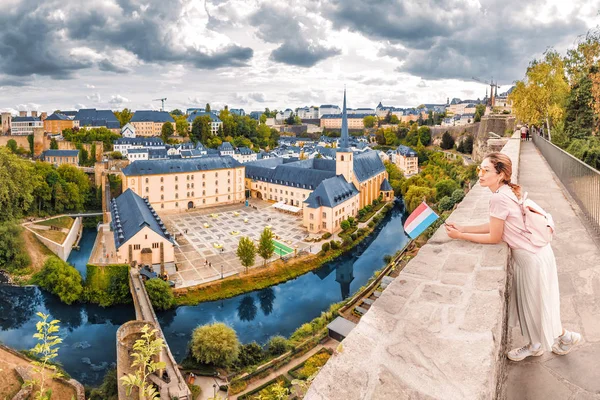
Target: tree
277,345
390,137
446,204
250,354
207,108
182,126
13,254
263,119
83,155
479,112
176,113
160,293
445,187
425,135
415,194
30,140
394,119
468,144
12,146
166,131
16,185
579,118
123,116
93,153
542,96
215,344
345,224
201,129
144,353
266,247
447,141
46,350
246,252
61,279
369,121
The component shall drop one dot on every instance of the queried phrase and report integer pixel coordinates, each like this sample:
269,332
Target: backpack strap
520,204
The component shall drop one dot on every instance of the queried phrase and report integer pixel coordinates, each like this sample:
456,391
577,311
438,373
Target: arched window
342,157
162,196
146,180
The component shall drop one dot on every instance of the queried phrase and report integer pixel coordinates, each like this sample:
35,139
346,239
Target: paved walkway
577,375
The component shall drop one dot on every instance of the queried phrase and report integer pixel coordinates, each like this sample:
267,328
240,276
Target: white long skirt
535,300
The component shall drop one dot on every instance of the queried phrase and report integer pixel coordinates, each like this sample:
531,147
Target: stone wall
67,145
62,250
21,141
455,131
438,330
497,124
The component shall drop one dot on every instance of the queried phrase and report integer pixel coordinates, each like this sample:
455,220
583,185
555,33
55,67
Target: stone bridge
439,330
169,381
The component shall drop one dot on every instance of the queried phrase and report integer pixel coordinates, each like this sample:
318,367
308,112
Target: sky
250,54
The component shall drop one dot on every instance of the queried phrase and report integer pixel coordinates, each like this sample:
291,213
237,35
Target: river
89,331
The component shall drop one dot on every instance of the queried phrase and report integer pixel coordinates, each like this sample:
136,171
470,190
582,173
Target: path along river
89,331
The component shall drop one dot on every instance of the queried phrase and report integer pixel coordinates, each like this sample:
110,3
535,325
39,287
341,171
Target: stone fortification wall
455,131
62,250
21,141
438,331
67,145
497,124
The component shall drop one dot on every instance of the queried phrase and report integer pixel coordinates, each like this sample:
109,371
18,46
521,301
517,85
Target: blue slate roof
25,119
130,214
195,114
295,174
57,117
245,151
61,153
366,165
328,106
406,151
225,146
141,141
150,167
327,151
331,192
385,186
351,116
151,116
93,117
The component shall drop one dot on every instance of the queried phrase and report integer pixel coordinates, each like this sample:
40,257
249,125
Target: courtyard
208,239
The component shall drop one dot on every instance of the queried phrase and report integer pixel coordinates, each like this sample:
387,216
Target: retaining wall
62,250
438,331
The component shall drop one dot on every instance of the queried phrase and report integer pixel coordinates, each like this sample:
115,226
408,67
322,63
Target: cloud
258,97
393,51
379,82
13,82
95,97
87,85
106,65
118,100
298,33
79,106
422,84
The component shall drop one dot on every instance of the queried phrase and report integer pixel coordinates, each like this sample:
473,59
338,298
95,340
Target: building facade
57,123
406,160
334,121
325,109
181,184
150,123
92,118
215,121
23,126
60,157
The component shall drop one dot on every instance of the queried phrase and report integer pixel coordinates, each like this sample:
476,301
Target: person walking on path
535,299
523,132
527,134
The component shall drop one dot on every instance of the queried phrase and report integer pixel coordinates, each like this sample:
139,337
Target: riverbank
277,272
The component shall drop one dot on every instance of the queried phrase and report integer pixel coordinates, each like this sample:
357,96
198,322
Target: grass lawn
61,222
56,236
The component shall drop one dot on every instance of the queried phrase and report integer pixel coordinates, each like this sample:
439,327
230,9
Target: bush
237,386
446,203
447,141
325,247
250,354
353,236
61,279
352,221
215,344
326,235
458,195
361,231
445,188
108,390
107,285
116,155
160,293
361,213
277,345
371,224
334,245
387,258
345,225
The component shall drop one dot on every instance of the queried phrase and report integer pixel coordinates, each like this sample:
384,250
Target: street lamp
214,390
221,271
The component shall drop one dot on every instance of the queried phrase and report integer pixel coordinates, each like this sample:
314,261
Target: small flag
419,220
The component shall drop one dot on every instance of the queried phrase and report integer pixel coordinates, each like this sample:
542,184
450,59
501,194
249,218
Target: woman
535,299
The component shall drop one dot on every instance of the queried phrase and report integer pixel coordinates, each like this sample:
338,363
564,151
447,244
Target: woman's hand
452,232
459,228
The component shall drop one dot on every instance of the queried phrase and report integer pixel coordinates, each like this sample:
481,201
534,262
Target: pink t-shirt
507,209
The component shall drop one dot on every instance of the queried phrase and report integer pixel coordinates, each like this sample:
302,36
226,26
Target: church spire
344,138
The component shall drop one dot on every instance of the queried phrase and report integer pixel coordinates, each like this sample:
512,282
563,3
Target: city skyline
253,54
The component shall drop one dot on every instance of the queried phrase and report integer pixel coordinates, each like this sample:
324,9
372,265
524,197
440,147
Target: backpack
538,224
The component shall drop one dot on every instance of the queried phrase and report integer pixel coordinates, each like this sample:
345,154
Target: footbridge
169,381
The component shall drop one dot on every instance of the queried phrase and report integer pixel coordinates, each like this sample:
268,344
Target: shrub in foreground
61,279
215,344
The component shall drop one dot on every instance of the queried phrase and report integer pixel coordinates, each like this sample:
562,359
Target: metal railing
581,180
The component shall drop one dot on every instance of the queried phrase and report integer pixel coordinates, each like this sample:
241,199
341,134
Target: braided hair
503,164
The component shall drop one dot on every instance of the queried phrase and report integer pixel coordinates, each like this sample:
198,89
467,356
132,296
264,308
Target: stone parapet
438,331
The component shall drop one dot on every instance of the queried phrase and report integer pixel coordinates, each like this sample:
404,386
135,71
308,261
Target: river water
89,331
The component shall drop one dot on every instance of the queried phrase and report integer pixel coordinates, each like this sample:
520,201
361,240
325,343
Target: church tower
343,156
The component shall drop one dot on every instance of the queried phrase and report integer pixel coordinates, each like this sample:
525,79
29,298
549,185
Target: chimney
22,113
34,114
43,116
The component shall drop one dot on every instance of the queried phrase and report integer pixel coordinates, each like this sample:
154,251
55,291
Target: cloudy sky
68,54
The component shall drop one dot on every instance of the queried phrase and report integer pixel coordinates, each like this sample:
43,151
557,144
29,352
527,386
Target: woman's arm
483,228
496,228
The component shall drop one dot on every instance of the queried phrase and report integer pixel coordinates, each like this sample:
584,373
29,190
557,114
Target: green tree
447,141
266,247
93,153
246,252
446,204
263,119
325,247
61,279
415,195
182,126
277,345
16,185
12,146
369,121
468,144
14,257
166,131
46,350
109,389
144,353
445,188
176,113
479,112
542,96
390,137
207,108
250,354
425,135
201,129
458,195
215,344
579,118
160,293
30,140
123,116
345,225
83,155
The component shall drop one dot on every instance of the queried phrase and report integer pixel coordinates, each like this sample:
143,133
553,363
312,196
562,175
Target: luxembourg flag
419,220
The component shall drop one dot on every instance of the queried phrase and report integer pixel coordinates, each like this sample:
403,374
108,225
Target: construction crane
493,89
162,101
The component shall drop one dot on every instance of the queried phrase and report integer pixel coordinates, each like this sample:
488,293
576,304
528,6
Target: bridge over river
169,381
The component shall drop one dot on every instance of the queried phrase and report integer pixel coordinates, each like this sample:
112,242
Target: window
155,245
192,183
176,195
188,185
311,216
203,192
324,215
162,206
187,177
229,189
136,246
228,173
176,204
216,174
216,199
147,189
176,187
203,176
161,179
162,196
216,183
203,184
162,188
192,178
188,194
324,225
228,197
176,178
217,191
312,227
228,180
146,180
203,201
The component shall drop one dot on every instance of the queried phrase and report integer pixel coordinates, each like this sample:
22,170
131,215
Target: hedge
294,372
280,378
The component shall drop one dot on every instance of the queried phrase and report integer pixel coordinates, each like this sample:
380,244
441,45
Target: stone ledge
438,330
